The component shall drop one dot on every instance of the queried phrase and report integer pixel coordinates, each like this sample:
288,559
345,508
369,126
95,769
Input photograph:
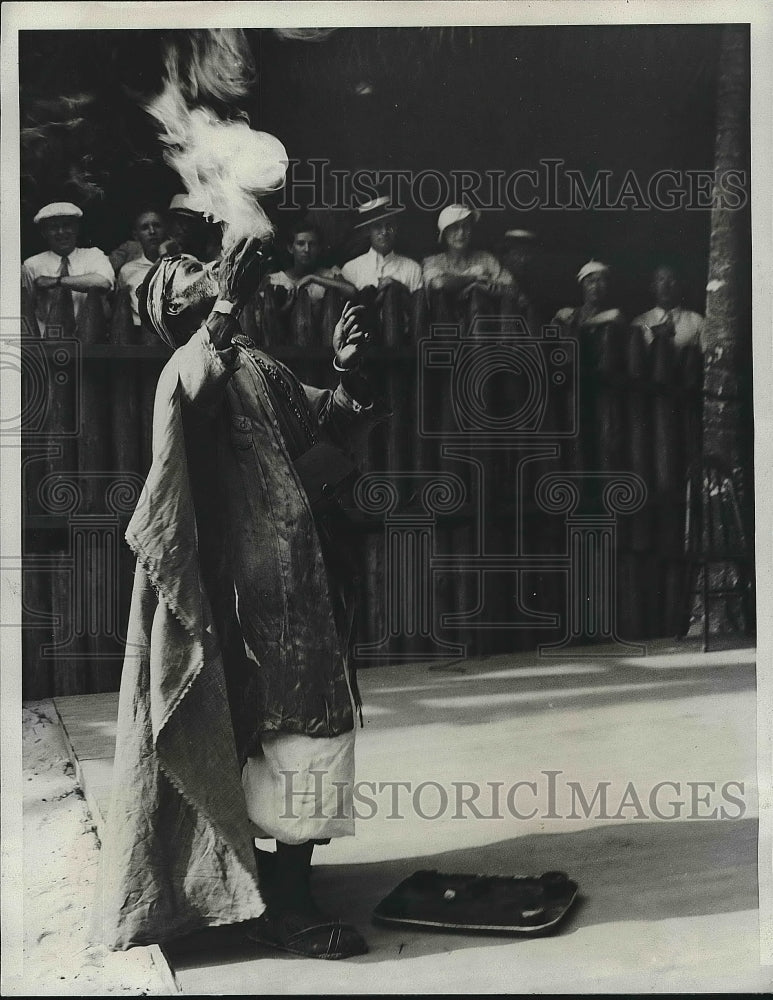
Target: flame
225,165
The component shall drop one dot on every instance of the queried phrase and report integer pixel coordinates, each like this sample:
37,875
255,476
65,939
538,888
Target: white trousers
299,788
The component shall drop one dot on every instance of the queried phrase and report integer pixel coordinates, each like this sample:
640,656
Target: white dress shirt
371,267
282,279
131,276
688,325
82,260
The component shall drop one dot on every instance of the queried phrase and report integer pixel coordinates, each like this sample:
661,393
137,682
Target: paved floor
668,872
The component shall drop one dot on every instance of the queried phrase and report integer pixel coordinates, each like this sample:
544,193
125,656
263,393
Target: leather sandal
290,931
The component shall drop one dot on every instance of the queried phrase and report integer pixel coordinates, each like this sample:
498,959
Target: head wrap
57,210
154,293
452,214
592,267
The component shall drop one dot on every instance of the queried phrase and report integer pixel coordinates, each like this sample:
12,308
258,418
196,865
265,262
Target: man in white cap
64,269
668,318
593,279
380,266
460,269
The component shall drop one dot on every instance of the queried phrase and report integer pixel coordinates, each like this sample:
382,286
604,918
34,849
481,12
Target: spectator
517,257
460,269
380,266
64,265
187,229
149,231
668,318
130,249
305,246
593,279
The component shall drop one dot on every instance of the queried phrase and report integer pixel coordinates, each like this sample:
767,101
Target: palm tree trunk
727,412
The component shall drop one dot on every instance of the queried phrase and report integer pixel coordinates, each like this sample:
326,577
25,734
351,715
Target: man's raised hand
348,338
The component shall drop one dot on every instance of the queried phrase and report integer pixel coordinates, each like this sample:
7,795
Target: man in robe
237,704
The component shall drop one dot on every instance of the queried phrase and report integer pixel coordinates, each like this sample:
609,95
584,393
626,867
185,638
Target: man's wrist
356,385
340,368
221,329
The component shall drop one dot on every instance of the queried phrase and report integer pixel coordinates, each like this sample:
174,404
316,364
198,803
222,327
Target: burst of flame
225,165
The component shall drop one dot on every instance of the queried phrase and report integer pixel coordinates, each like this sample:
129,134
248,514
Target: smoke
305,34
225,165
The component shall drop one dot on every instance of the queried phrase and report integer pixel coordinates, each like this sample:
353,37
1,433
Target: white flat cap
58,210
452,214
592,267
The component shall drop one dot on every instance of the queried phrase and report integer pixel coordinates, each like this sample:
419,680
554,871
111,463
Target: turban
154,294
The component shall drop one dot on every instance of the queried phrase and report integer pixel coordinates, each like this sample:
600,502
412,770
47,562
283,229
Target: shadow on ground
626,872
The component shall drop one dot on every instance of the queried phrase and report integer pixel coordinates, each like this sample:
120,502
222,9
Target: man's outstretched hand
349,339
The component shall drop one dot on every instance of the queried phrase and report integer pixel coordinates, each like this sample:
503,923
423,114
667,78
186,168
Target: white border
16,16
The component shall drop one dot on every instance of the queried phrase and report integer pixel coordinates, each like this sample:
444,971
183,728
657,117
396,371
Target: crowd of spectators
456,271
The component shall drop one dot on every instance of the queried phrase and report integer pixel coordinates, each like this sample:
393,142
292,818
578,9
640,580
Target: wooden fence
88,394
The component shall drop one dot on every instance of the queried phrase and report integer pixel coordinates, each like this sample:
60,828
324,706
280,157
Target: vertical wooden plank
122,328
70,670
37,670
666,474
125,415
92,319
634,599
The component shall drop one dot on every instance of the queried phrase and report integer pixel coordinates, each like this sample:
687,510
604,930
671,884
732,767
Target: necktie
62,309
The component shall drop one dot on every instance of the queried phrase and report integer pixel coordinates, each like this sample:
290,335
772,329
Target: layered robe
239,625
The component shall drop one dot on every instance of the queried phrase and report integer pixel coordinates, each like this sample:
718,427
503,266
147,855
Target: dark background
600,98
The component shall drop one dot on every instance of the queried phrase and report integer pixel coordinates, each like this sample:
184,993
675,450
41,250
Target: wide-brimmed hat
181,203
592,267
452,214
374,211
58,210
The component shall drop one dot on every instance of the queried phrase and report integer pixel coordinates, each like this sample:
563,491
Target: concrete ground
667,872
60,860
